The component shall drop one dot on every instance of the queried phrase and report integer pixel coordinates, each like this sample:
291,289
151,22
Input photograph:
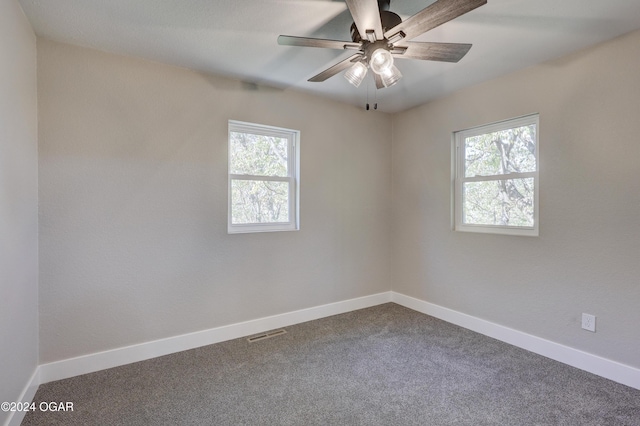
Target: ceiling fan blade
366,15
432,16
445,52
335,69
286,40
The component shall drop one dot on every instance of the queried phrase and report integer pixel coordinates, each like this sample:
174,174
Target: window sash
490,212
269,134
291,201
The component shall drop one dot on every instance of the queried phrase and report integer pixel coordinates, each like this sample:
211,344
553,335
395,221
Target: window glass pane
506,202
259,201
502,152
258,155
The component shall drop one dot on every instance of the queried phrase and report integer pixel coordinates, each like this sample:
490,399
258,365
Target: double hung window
263,178
496,177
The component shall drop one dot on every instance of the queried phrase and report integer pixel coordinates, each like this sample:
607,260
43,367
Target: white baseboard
16,417
621,373
115,357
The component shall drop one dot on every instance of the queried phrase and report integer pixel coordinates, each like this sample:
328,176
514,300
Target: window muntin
263,178
496,177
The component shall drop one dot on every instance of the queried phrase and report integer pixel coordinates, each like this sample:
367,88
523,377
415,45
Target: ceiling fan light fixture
381,61
390,76
375,32
356,73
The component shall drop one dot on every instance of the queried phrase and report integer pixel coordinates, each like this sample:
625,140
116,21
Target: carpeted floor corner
386,365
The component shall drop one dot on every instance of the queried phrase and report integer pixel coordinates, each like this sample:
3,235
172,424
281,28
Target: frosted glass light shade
381,61
391,76
356,73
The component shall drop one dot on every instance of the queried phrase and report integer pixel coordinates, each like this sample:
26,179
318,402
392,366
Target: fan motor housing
388,19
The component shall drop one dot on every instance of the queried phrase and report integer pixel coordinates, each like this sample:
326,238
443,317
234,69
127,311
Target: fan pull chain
367,106
375,98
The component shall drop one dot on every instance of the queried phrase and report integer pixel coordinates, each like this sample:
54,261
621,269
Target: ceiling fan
379,36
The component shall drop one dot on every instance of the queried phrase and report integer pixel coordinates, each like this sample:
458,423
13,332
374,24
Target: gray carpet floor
386,365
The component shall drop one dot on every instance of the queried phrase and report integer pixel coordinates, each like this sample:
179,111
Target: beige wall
18,203
587,257
133,203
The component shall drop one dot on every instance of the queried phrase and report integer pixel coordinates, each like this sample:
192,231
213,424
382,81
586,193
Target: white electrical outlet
589,322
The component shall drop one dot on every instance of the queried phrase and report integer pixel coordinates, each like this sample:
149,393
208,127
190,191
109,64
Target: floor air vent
267,335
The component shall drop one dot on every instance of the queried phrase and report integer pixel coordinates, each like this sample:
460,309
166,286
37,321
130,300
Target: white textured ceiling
238,38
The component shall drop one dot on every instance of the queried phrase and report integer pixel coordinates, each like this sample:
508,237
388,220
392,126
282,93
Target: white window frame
458,169
293,178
